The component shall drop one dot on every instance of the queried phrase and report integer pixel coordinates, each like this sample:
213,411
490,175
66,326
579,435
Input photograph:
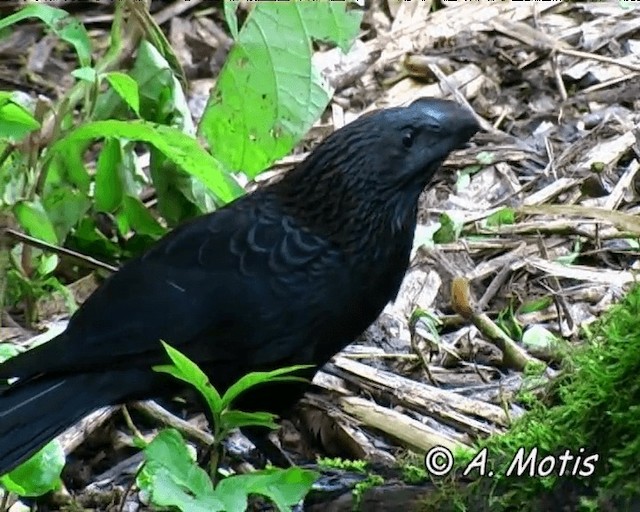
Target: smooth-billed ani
289,274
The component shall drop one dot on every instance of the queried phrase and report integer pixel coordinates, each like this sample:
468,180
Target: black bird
289,274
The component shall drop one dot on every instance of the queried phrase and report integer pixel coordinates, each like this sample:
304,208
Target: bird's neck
355,217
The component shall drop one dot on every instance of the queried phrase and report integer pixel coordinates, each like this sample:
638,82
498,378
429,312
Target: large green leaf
269,93
38,475
35,221
180,148
15,120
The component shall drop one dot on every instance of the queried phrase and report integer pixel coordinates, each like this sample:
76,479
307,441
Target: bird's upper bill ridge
452,117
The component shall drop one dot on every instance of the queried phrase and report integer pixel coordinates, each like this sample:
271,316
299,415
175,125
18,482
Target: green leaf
38,475
255,378
65,207
463,181
569,259
88,239
538,336
186,370
509,323
162,99
450,228
504,216
168,491
424,235
172,478
48,15
155,36
7,351
127,89
180,196
177,146
331,22
140,219
230,17
64,26
169,446
464,176
15,120
285,488
88,74
35,221
236,419
269,93
633,243
73,32
535,305
485,158
68,168
109,187
47,264
67,295
14,178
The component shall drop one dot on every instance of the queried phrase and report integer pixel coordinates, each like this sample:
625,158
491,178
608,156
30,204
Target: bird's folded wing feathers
199,281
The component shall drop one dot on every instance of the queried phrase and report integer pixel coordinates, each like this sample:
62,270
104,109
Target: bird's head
399,149
393,149
382,160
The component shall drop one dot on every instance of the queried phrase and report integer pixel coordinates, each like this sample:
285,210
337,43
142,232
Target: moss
414,475
359,466
362,487
596,414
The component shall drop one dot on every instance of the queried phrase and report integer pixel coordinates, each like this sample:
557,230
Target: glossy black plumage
289,274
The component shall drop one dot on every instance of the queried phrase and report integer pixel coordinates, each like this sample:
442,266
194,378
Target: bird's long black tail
34,412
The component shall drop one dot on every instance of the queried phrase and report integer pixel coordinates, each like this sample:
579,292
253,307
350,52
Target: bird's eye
407,138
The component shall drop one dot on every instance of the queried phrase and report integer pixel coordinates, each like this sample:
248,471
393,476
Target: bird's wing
202,289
